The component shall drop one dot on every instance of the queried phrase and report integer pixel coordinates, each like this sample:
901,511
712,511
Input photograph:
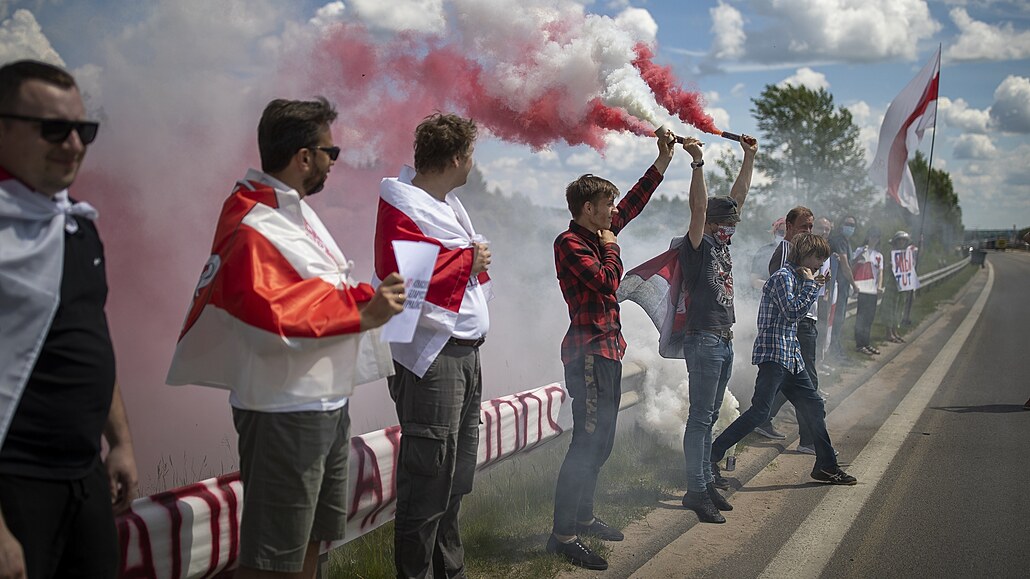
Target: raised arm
742,184
698,196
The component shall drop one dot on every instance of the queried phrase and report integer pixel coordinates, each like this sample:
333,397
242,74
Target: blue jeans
798,388
709,362
808,337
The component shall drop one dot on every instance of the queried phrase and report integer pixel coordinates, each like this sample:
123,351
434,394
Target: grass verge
507,518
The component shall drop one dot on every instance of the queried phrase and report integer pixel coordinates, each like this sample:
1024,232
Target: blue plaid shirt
786,298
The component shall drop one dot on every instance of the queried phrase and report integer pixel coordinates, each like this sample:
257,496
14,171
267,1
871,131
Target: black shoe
718,500
768,431
834,477
719,482
601,530
577,553
702,504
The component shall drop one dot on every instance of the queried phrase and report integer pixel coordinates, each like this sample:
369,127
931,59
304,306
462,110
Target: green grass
507,518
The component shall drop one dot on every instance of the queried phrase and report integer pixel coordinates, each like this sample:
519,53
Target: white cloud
838,30
974,147
639,23
982,41
738,89
1011,109
806,77
727,31
425,16
21,37
994,192
958,114
868,125
331,13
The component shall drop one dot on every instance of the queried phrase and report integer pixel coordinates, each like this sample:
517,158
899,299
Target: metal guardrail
925,280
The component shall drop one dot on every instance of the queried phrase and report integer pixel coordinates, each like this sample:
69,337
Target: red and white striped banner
193,531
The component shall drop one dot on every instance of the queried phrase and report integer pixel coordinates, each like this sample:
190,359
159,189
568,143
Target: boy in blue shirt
786,297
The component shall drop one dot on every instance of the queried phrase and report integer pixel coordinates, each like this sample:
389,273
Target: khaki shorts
293,466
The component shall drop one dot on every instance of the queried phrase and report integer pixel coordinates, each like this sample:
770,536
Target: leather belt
467,343
725,334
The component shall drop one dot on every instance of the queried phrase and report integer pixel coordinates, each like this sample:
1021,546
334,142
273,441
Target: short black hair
588,188
288,126
14,74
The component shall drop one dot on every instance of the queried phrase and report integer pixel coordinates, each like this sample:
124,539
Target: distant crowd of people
279,320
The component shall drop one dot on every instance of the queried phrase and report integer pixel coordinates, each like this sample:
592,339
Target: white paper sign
904,265
415,262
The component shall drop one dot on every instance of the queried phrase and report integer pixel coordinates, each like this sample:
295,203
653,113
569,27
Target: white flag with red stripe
657,286
455,302
275,315
911,113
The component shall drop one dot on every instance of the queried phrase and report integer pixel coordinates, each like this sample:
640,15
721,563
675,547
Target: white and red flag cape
454,296
657,286
911,113
275,314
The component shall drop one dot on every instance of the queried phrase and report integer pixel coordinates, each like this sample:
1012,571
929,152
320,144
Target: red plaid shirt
589,275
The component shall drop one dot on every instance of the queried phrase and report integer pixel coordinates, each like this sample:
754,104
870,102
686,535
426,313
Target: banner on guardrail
193,531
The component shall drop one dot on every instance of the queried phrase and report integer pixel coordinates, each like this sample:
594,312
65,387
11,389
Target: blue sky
862,52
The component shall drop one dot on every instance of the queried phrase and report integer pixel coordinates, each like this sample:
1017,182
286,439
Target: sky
178,86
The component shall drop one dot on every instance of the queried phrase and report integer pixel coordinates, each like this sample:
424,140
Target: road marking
810,548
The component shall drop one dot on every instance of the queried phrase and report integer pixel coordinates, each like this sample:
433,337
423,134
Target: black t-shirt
842,247
708,280
779,257
55,432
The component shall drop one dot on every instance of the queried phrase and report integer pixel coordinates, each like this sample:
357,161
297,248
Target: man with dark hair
798,220
786,297
278,319
438,382
58,392
588,261
840,261
708,340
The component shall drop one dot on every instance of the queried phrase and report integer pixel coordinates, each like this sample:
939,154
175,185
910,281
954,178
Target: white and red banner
657,286
275,315
903,263
193,531
907,117
408,213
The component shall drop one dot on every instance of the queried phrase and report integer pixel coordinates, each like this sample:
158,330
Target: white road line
809,549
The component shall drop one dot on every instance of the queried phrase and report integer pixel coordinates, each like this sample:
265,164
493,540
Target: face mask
847,230
723,233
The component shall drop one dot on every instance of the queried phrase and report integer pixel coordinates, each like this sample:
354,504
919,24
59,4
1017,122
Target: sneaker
702,504
718,500
834,477
873,350
577,553
600,530
811,450
719,481
768,431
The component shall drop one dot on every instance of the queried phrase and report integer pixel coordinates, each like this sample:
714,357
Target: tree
812,150
943,220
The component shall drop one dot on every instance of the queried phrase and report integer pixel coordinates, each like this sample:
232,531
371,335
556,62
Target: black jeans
65,527
439,415
799,389
808,337
595,384
864,319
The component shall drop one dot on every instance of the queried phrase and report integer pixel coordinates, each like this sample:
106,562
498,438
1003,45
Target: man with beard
279,321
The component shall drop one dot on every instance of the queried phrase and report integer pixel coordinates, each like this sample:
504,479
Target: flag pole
926,193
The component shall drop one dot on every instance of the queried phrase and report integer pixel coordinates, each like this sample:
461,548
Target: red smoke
688,106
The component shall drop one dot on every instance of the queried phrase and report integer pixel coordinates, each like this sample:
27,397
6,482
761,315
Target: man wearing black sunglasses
58,393
279,320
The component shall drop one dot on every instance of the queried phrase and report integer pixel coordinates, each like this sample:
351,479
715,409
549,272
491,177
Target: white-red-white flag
907,117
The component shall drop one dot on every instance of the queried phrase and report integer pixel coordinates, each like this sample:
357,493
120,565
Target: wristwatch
697,164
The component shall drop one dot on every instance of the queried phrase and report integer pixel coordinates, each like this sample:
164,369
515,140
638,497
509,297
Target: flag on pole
907,117
657,286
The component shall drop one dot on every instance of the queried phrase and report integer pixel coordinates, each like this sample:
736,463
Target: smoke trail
688,106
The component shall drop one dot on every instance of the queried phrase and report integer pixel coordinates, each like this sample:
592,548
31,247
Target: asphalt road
955,501
949,498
